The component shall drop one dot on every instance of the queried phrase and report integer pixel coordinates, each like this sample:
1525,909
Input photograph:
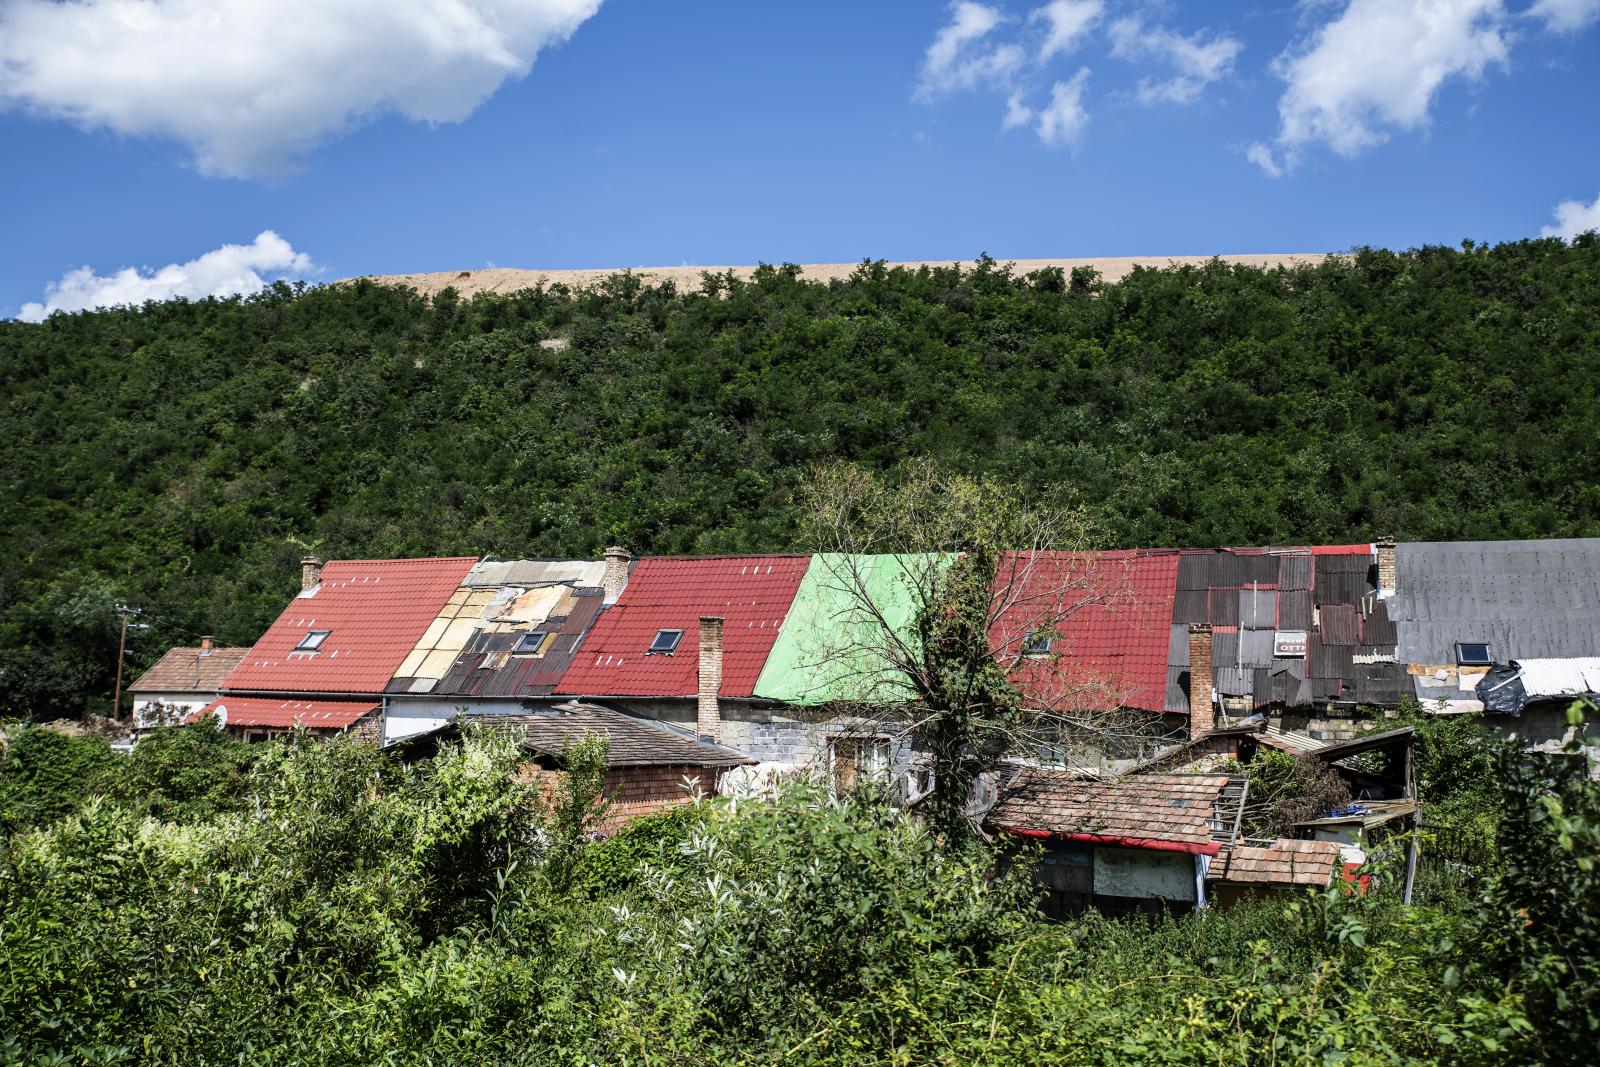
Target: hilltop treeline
182,456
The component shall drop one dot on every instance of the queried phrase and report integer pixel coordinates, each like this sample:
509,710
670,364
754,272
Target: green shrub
45,774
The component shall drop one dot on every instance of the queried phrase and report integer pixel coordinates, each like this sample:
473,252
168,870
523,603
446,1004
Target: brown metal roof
1284,862
189,670
630,742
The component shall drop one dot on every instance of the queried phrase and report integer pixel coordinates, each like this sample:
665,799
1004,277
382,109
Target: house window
531,644
859,759
312,640
665,644
1037,643
1473,654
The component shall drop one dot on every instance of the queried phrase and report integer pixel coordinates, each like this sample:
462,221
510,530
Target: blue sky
653,133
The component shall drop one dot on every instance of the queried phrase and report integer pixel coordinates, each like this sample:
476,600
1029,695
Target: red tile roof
374,610
272,711
751,593
1111,613
1166,812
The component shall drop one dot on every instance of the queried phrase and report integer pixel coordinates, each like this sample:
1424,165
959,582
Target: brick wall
633,791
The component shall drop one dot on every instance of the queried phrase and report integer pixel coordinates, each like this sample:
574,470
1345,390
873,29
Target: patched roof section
510,630
1110,614
1284,862
264,712
1524,599
189,670
630,742
1252,597
752,594
1173,812
373,611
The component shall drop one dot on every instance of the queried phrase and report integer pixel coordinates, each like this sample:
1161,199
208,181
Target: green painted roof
830,647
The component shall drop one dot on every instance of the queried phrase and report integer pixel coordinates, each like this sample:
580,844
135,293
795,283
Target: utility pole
122,653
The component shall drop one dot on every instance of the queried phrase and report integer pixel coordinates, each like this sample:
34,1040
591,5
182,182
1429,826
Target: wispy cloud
1194,61
1566,16
252,88
1067,23
1061,122
225,271
960,58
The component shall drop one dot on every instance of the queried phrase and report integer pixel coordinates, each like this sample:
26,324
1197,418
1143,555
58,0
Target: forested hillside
181,457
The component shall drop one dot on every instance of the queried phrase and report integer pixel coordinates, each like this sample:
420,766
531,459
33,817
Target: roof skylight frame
1038,643
312,641
665,643
1473,654
530,644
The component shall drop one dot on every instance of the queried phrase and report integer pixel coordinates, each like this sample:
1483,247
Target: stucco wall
1135,872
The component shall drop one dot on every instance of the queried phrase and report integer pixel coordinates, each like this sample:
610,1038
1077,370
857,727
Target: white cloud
1377,66
223,271
1062,121
1261,156
1574,217
251,87
957,60
1068,22
1566,16
1196,61
1017,113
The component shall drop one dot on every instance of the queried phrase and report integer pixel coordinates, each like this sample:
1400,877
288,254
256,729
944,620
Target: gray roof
631,742
1526,599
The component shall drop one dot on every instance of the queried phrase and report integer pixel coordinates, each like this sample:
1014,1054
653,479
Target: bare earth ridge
510,280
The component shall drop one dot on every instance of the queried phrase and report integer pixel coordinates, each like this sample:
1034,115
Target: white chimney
616,575
708,714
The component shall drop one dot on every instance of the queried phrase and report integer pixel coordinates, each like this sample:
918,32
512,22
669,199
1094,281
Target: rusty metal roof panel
1294,609
1294,571
1339,624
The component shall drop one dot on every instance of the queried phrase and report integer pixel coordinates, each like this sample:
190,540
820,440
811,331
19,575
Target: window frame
308,645
1464,660
1036,644
537,649
670,649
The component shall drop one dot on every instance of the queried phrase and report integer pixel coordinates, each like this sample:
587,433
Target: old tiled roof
631,742
1249,595
1284,862
275,712
1170,812
374,612
471,648
751,594
189,670
1110,613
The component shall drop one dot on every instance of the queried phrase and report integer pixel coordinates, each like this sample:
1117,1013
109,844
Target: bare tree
950,608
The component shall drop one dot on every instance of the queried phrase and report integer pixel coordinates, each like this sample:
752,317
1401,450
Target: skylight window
312,640
665,643
1037,643
531,643
1473,654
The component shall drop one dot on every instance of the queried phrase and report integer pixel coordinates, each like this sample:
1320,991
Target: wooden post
122,646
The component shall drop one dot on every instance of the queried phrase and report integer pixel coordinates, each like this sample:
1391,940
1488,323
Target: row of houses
744,666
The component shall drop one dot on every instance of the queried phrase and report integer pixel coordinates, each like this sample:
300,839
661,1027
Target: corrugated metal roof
1576,676
829,647
1294,610
751,594
1111,648
1339,624
1294,571
374,611
1258,608
265,712
1178,647
1525,599
1255,648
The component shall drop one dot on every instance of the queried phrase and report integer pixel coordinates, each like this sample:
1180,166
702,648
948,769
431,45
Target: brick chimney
1386,572
708,716
310,572
207,643
616,572
1201,681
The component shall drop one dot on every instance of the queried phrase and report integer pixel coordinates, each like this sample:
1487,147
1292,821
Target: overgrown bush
46,774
